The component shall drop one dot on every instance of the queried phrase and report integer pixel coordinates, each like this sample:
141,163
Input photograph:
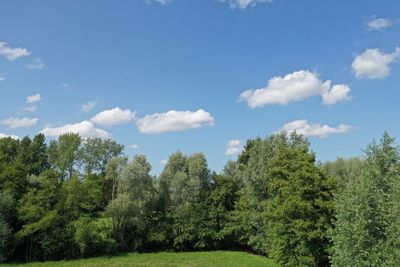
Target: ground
164,259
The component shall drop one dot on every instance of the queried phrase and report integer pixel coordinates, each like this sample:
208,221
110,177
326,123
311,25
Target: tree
7,207
299,206
131,209
367,222
185,184
42,225
221,202
343,170
96,152
286,206
63,154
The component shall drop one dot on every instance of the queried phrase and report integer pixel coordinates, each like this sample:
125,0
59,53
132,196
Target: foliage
75,197
367,221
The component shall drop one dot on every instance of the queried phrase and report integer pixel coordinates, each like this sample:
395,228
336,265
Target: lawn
217,258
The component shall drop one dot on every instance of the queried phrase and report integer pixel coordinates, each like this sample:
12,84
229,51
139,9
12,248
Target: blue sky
201,75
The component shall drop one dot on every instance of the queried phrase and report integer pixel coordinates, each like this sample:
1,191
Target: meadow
216,258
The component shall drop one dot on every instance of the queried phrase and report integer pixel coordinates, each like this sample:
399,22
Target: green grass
216,258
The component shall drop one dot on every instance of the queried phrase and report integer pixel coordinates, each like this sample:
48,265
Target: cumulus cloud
36,64
173,121
379,24
3,76
85,129
6,135
243,4
293,87
337,93
315,129
115,116
19,122
233,147
88,106
164,161
374,64
33,98
12,53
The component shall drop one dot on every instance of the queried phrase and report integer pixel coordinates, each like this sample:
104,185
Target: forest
79,197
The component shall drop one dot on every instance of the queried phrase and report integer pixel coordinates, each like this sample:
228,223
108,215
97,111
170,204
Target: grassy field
217,258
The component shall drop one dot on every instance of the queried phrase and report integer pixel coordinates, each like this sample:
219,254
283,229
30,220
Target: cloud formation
173,121
12,53
33,98
315,129
233,147
374,64
3,76
379,24
85,129
19,122
112,117
36,64
293,87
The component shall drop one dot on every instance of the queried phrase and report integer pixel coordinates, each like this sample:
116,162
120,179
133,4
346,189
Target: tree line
74,197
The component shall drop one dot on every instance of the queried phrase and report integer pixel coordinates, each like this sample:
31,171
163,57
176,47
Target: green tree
286,205
64,154
343,170
42,231
131,209
96,152
7,207
185,184
367,222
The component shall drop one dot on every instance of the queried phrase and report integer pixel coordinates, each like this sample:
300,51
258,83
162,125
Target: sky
201,76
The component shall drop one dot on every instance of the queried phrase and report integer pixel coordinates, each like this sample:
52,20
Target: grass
192,259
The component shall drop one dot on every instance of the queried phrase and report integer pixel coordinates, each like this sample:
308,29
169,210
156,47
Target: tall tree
64,154
286,202
131,209
367,225
96,152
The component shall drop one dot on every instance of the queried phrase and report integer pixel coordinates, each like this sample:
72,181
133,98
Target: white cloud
6,135
134,146
293,87
12,53
163,161
243,4
33,98
316,129
3,76
88,106
379,24
374,64
19,122
162,2
233,147
115,116
84,129
337,93
36,64
173,121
